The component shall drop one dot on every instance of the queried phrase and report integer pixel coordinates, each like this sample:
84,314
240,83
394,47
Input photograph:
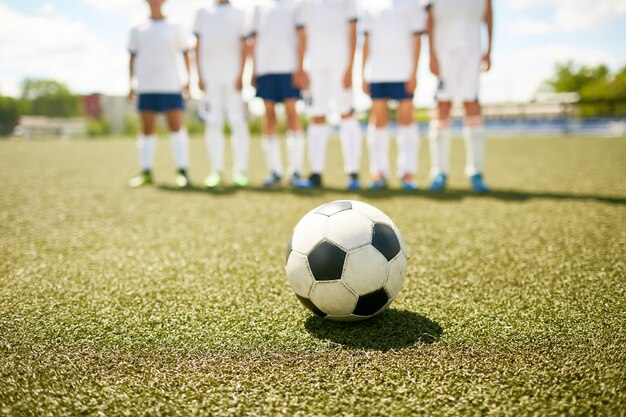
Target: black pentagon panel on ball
386,241
309,304
334,208
371,303
326,261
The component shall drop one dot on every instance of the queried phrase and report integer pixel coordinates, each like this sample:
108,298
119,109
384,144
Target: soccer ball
346,261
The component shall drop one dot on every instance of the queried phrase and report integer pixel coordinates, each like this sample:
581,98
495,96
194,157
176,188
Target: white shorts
328,94
459,73
222,102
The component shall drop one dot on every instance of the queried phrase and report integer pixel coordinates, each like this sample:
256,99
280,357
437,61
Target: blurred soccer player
391,51
454,28
273,41
221,51
327,34
155,47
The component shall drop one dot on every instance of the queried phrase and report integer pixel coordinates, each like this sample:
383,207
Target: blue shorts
160,103
276,87
389,91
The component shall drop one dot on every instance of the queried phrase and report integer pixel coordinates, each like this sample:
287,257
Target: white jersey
220,29
274,25
391,26
458,23
157,46
326,23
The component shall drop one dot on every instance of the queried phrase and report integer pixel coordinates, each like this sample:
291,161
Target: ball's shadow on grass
393,329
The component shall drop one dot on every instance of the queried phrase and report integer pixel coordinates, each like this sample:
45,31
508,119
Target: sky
83,42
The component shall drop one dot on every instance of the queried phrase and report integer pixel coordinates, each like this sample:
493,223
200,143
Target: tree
49,98
9,115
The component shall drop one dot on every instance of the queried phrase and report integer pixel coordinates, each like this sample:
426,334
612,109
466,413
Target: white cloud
47,8
576,15
54,46
527,27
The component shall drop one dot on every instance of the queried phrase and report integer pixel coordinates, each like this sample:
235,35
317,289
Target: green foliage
49,98
98,127
10,111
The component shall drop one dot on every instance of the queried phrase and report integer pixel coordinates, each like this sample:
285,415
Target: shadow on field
448,195
393,329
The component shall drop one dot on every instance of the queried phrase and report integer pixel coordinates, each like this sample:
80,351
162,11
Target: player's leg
439,137
271,146
295,141
146,148
408,145
378,141
214,134
240,137
180,142
473,134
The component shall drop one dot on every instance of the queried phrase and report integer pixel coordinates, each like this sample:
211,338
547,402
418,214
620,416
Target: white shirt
458,23
157,46
327,24
220,28
274,24
392,26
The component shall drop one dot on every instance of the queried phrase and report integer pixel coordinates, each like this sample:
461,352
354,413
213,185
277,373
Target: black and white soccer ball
346,261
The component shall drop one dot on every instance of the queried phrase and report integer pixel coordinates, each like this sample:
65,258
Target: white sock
350,134
295,152
240,143
408,150
180,147
318,136
439,138
474,150
271,147
214,141
146,148
378,144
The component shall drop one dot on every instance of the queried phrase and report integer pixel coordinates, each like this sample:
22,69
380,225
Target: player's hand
132,96
366,88
347,78
201,84
301,79
434,65
485,62
253,81
239,83
186,92
411,85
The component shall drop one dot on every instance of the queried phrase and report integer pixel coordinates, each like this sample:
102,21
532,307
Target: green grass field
165,302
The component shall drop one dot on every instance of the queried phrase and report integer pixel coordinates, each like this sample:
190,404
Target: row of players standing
310,46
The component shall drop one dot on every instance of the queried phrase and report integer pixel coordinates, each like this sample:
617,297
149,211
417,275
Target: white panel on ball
349,230
299,274
365,270
396,275
308,232
371,212
333,298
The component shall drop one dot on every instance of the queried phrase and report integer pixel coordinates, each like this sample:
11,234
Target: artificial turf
161,301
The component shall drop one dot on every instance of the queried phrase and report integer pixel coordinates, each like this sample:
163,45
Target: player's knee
318,120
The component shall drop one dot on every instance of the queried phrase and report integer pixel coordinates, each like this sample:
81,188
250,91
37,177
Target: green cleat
215,180
182,179
241,180
145,178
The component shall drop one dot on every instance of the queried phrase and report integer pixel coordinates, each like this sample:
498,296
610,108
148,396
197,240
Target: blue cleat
379,183
439,182
408,184
314,181
272,181
478,183
353,183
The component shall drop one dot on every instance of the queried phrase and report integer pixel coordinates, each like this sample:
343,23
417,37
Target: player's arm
411,84
366,51
131,70
301,78
347,78
430,30
489,23
201,83
187,59
244,51
251,45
